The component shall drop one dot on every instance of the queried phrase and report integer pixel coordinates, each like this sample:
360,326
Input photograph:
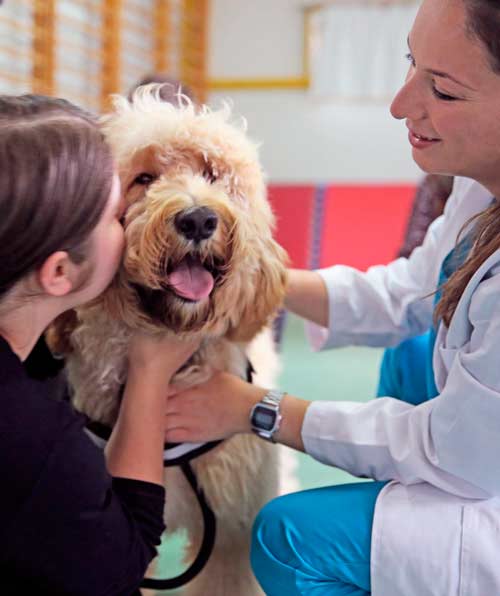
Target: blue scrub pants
318,542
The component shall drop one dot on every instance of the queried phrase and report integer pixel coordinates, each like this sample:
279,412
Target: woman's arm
385,304
221,408
383,439
307,296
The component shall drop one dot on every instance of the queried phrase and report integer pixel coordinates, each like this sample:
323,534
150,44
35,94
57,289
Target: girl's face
107,243
451,97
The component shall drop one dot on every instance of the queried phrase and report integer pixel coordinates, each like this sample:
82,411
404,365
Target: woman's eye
410,58
144,179
442,96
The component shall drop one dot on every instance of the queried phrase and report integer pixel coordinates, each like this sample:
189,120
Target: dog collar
174,454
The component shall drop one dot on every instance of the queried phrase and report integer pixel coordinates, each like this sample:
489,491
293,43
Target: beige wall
303,140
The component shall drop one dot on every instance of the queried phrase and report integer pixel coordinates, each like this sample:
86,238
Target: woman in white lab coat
430,525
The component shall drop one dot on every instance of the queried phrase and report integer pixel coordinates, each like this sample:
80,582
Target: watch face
264,418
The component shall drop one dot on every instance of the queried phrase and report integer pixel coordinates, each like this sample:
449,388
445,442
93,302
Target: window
357,48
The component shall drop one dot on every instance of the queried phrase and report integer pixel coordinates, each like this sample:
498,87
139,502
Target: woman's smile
419,141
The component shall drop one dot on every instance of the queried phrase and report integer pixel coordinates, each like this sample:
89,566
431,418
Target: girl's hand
163,354
215,410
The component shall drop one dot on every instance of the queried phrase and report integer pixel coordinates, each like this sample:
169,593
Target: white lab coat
437,524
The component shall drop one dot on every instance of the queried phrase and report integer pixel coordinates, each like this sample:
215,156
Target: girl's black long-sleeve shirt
66,526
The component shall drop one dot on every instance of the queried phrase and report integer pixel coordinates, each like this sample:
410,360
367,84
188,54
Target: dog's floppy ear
270,287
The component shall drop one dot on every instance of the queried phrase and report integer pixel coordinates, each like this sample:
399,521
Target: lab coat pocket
443,361
447,355
480,548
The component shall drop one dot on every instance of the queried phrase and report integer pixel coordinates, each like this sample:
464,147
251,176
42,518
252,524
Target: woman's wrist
252,396
292,410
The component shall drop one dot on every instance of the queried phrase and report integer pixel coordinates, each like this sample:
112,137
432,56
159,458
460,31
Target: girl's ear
58,275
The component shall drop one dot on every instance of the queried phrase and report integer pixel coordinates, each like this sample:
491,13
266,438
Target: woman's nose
409,102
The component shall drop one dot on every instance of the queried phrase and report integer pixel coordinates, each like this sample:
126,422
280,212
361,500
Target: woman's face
107,242
451,97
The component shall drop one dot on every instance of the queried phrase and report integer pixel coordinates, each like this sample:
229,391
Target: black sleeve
41,364
80,532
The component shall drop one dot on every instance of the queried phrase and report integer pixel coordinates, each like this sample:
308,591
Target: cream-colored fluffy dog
200,258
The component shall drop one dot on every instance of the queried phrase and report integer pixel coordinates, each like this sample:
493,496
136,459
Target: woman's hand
163,354
215,410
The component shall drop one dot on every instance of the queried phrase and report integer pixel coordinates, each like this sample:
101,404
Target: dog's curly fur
172,159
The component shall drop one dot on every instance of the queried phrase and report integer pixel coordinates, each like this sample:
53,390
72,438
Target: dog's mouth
193,279
190,281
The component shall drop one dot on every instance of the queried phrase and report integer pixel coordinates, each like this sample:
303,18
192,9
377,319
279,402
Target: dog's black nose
198,223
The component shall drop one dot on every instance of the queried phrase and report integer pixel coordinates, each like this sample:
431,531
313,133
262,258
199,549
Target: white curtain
358,50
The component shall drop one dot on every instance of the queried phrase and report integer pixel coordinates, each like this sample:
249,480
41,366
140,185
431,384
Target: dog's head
200,254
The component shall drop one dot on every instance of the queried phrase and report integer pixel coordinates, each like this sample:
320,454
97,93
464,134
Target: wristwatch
265,416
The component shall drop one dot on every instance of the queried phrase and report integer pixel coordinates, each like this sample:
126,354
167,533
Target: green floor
348,374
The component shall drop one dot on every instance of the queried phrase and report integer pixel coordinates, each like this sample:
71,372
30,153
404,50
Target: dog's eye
209,175
144,179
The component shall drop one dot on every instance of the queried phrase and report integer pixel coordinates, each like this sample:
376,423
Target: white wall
303,141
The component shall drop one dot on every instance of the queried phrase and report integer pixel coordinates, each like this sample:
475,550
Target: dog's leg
237,480
228,571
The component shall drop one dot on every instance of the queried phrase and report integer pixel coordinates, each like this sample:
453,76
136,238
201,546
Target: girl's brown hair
483,24
56,174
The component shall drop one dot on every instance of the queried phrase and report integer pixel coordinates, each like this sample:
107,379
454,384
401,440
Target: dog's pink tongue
190,280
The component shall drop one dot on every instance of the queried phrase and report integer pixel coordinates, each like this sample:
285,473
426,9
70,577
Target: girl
71,522
430,525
